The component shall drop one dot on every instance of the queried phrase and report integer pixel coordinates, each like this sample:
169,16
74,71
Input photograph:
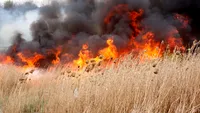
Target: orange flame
147,46
150,48
57,54
84,55
30,62
6,59
110,51
119,9
134,18
175,41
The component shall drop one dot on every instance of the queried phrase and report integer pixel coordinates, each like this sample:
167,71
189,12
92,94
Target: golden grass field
170,84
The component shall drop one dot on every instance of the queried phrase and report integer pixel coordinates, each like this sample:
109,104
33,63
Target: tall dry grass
171,84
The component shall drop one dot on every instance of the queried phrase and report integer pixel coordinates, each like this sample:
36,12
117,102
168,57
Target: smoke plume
74,23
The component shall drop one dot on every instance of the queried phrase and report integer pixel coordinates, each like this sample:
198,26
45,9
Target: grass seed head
32,71
87,62
156,71
92,61
69,71
99,63
111,58
154,65
101,57
73,75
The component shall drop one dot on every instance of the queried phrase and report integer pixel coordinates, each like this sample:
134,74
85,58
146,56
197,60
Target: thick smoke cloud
171,5
77,22
187,7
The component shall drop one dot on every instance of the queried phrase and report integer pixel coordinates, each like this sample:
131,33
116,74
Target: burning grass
168,84
139,39
145,72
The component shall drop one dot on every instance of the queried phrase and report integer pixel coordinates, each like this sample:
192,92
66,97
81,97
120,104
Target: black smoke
72,24
186,7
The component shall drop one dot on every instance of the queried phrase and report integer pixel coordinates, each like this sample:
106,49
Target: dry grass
159,86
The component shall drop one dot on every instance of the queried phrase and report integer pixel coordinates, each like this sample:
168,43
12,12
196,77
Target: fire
151,47
174,41
31,61
148,46
6,59
142,42
110,51
183,19
133,15
84,55
119,9
57,54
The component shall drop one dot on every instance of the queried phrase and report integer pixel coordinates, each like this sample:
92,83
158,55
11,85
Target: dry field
170,84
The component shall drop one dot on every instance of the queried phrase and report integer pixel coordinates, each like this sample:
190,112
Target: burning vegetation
102,56
79,38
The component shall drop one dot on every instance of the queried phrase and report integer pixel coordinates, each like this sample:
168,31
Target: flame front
149,47
84,55
30,62
110,51
142,42
6,59
57,53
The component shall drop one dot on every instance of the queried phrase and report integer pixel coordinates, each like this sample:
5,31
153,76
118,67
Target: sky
10,24
38,2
